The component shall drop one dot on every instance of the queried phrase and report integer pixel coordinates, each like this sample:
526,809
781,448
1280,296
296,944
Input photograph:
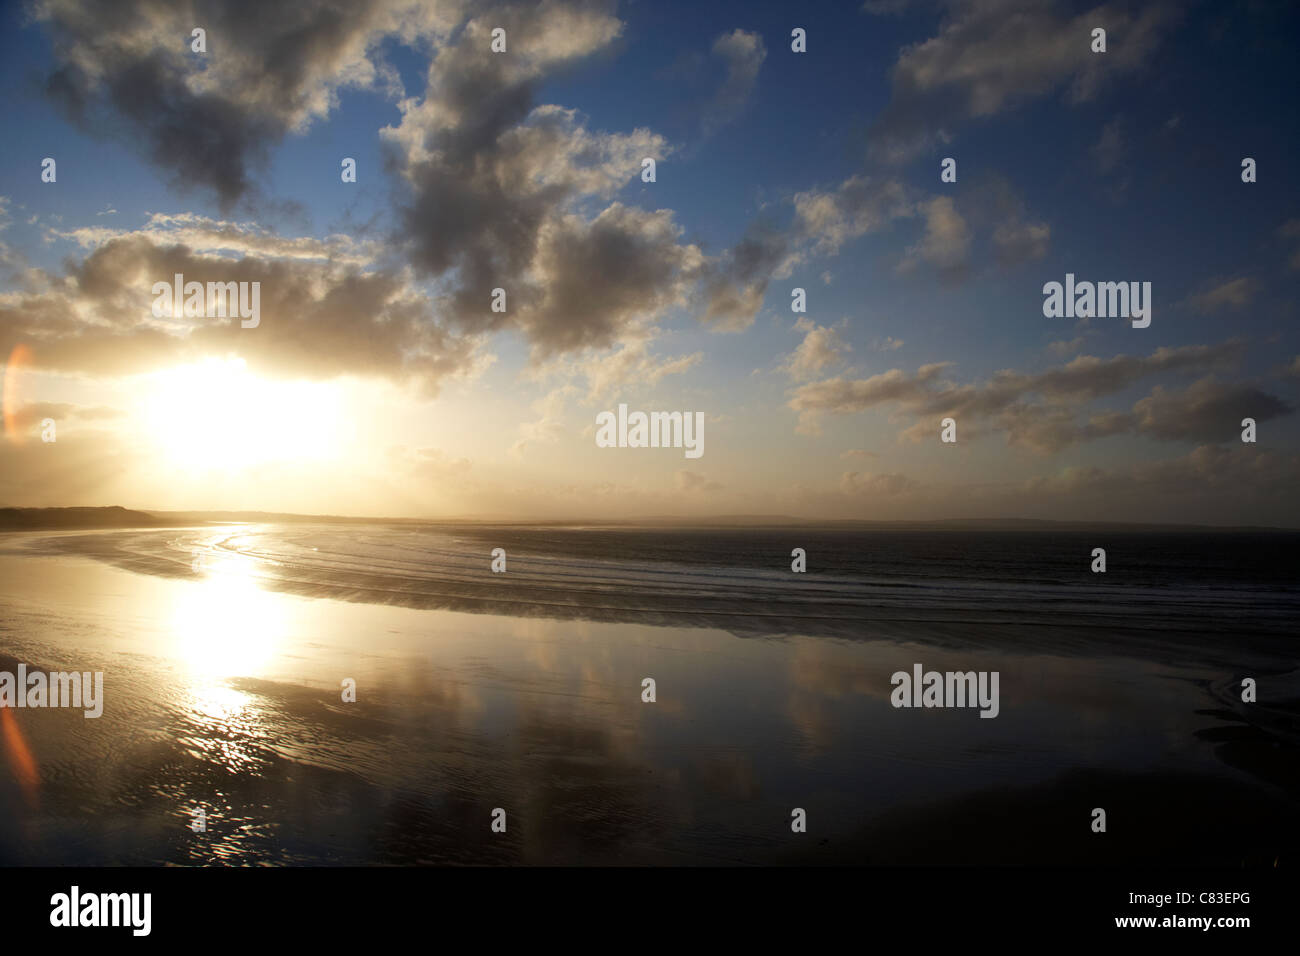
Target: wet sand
226,696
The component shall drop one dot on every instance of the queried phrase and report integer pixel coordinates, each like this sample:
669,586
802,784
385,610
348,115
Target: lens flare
20,357
20,758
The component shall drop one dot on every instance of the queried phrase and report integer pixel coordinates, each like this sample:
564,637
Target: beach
226,652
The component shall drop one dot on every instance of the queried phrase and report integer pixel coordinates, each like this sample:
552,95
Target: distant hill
19,519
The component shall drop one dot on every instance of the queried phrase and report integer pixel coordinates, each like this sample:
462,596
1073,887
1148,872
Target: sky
379,380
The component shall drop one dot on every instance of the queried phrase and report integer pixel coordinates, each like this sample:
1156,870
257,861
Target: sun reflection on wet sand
225,625
228,728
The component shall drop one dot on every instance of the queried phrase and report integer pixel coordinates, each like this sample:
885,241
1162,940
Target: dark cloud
506,194
597,278
496,190
125,68
502,193
1041,410
1207,411
732,286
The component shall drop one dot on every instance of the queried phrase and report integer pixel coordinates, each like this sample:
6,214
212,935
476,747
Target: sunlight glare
216,415
226,625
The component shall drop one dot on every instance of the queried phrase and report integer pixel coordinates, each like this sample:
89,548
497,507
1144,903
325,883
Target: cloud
859,205
77,469
820,349
992,206
504,194
1225,294
549,427
1256,485
427,465
210,118
988,57
29,417
497,192
1047,428
1018,242
947,239
1109,148
1291,230
1065,347
827,219
1207,411
876,486
1222,483
596,279
203,234
743,52
606,373
628,365
1048,424
732,286
318,319
692,482
886,8
7,257
845,396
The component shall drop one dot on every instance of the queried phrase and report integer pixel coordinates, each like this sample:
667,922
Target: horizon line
735,520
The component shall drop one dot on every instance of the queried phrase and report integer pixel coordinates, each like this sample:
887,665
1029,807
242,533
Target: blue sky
1119,166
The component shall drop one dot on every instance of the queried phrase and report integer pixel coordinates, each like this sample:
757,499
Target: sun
216,415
